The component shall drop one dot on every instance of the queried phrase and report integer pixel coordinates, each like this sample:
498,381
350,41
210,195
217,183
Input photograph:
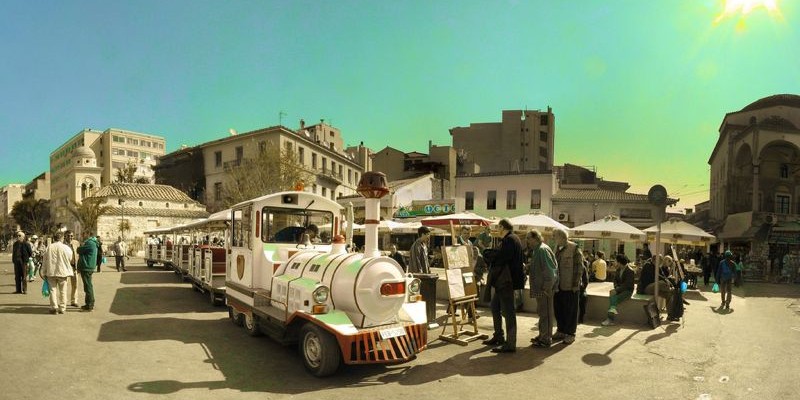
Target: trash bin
427,289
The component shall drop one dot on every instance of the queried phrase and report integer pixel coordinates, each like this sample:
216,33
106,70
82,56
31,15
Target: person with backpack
505,276
724,277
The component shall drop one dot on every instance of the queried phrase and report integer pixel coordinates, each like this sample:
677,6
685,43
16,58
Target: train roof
317,199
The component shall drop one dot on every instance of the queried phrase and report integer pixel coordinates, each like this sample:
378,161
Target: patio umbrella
610,227
537,221
680,232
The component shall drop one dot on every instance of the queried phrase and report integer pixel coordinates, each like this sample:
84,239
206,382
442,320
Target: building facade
136,208
10,194
441,161
505,194
111,149
38,188
522,141
755,182
318,148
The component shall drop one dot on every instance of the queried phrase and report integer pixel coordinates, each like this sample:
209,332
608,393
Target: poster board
463,293
460,271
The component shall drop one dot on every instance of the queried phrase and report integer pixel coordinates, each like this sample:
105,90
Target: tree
33,216
88,212
127,174
274,170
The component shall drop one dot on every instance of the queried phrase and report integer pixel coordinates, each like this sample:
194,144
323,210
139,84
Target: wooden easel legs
462,315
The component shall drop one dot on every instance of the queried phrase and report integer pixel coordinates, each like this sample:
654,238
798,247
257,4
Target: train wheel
236,317
215,301
320,351
251,325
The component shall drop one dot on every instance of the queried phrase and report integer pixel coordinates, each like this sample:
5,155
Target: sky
638,88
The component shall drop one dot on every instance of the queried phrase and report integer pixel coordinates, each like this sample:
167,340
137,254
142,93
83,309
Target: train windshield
291,225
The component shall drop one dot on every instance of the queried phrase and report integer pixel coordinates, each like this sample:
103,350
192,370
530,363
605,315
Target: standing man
463,237
21,254
87,263
418,262
724,276
69,240
484,240
56,269
503,276
565,301
543,281
120,250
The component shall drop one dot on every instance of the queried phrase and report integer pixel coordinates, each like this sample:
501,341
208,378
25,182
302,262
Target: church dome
790,100
83,152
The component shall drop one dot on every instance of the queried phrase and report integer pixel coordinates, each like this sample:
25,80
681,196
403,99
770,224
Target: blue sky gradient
638,88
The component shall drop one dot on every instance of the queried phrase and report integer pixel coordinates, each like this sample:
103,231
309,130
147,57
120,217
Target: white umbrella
680,232
537,221
610,227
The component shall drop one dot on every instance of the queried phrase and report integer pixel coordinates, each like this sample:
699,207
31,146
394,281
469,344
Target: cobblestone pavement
152,336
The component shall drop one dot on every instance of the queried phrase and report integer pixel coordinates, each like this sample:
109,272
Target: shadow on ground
144,300
149,277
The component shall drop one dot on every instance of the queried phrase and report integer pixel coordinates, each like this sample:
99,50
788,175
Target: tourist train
285,271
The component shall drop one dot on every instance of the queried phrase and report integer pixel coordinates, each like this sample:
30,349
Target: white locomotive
339,307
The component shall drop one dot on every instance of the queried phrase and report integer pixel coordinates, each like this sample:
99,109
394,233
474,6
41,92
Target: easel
463,290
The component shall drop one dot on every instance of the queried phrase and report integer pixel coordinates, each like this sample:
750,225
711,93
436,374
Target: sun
745,7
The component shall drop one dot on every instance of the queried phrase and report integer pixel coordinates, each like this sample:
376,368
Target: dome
83,152
791,100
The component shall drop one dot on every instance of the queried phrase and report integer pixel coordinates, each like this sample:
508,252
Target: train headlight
413,287
320,294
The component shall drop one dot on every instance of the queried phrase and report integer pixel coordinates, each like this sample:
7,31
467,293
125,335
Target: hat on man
423,230
728,254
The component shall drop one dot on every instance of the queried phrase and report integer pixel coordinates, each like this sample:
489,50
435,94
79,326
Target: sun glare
745,7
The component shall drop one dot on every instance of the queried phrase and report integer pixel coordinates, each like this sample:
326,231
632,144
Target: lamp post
121,202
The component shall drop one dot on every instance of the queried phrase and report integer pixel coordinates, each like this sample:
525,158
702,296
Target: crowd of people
59,260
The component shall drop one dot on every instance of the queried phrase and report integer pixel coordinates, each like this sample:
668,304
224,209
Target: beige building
439,161
403,194
112,149
505,194
523,141
319,148
755,181
10,194
38,188
143,207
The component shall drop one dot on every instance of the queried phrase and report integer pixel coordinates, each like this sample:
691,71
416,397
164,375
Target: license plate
392,332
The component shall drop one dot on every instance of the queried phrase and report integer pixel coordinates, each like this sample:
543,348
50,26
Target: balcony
228,165
329,175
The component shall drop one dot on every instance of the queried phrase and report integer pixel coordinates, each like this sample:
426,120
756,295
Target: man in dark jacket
20,254
505,271
87,264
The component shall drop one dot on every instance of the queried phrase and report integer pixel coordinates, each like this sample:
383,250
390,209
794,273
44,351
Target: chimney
372,186
302,124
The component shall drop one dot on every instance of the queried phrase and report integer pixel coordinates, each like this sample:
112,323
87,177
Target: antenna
281,114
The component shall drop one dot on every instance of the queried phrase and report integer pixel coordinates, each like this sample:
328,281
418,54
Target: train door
240,260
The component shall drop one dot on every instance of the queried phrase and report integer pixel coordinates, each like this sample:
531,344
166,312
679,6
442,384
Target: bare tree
274,170
88,212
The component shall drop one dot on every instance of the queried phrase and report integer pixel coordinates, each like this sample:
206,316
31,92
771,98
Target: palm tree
88,212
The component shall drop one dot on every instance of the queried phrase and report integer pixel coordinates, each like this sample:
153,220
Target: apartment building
38,188
90,159
522,141
10,194
319,148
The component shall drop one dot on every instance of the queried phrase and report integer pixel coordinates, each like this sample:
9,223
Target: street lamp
121,202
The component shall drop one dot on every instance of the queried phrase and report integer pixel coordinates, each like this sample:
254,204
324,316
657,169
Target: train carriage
286,281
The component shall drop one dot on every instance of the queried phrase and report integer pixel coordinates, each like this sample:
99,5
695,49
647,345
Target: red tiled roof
602,195
143,191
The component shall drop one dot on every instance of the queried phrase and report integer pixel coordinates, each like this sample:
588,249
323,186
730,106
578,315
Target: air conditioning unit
771,219
563,217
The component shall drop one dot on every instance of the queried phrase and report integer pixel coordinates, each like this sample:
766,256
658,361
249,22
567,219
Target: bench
630,311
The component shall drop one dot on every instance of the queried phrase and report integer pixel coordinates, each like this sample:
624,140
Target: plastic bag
715,288
45,288
684,286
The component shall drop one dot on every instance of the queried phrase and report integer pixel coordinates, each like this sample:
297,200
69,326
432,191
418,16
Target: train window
294,265
241,229
288,225
314,268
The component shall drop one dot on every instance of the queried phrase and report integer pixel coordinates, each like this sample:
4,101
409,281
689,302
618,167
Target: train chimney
372,186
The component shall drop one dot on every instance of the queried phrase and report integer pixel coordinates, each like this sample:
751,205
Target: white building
505,194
